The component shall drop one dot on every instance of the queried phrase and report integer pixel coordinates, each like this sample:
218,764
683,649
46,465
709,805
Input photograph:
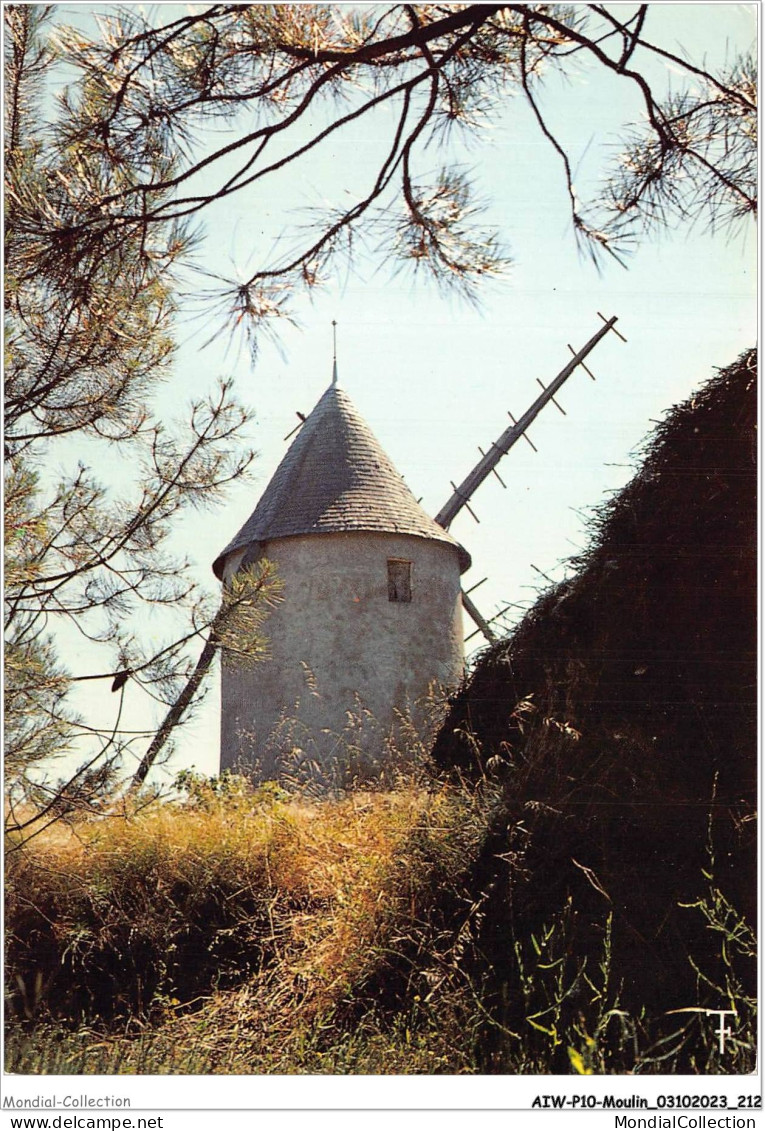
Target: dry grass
249,931
117,916
236,933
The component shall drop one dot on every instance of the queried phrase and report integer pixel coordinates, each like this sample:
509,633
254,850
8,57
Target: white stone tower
371,612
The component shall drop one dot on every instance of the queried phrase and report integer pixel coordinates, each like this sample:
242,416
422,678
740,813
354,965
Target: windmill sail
462,494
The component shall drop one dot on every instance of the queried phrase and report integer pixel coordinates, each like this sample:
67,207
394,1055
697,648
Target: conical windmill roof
335,477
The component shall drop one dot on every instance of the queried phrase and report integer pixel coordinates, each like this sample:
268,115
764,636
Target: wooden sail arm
463,493
483,624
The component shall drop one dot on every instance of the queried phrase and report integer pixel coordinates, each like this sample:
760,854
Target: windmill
373,598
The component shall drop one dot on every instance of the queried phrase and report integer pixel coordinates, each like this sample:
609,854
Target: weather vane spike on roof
334,352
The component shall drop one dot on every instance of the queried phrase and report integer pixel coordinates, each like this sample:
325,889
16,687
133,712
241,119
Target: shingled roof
335,477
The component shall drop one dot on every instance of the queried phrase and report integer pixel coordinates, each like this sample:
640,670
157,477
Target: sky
435,377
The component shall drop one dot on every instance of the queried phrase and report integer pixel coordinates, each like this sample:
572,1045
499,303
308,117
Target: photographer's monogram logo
723,1031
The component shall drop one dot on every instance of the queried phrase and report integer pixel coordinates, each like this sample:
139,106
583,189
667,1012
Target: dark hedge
649,653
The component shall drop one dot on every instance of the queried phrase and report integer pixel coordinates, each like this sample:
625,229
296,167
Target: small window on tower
399,579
